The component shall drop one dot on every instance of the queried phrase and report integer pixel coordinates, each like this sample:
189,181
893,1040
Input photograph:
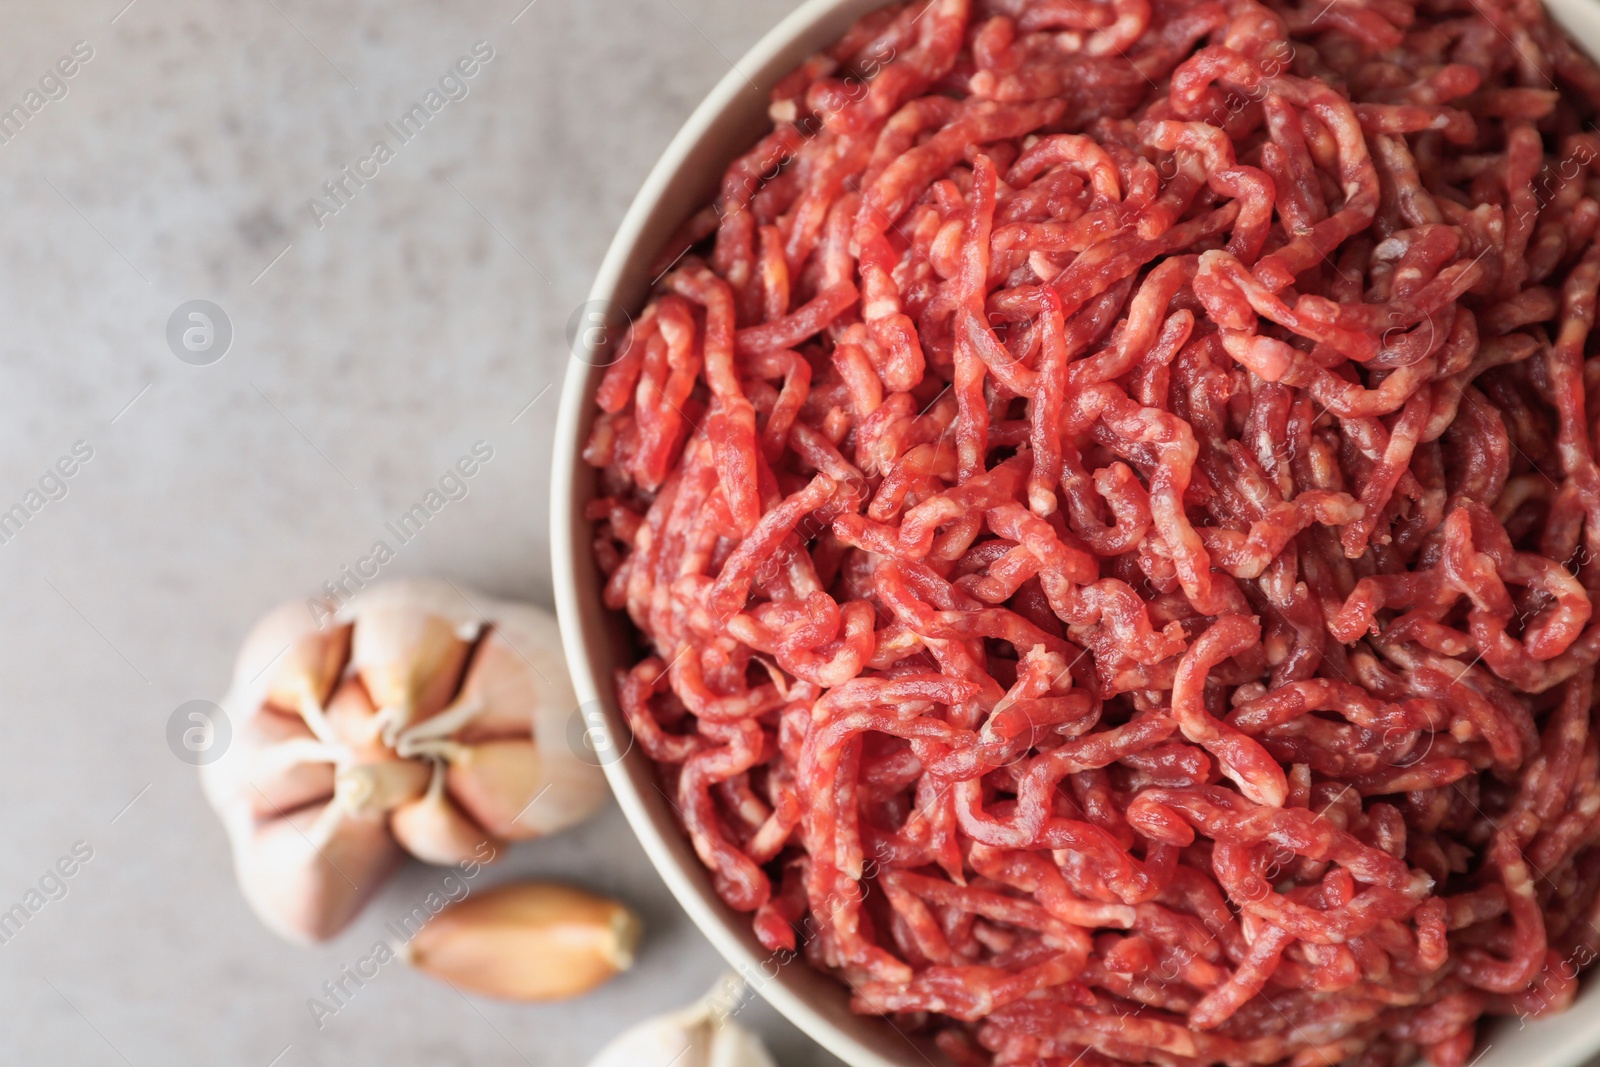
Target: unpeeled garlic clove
534,637
516,686
274,765
734,1046
433,829
292,660
701,1035
373,789
354,722
502,690
518,678
400,608
409,659
573,790
281,781
528,941
306,875
498,784
577,785
433,596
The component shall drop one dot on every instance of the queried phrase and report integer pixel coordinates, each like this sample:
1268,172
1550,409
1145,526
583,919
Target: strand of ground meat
1109,500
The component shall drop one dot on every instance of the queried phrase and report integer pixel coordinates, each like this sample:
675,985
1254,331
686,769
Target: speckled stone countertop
371,346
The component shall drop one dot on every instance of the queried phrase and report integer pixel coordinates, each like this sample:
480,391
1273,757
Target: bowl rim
1565,1040
861,1041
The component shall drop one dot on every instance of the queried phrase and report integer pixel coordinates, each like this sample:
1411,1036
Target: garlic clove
662,1040
517,683
499,783
289,769
432,596
308,670
289,659
701,1035
528,941
353,720
667,1041
306,875
734,1046
409,660
534,637
373,789
573,791
433,829
502,689
273,765
577,785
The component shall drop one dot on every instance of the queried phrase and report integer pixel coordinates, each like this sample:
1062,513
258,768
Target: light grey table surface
368,353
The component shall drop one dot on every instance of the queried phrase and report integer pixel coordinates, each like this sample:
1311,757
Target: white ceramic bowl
726,124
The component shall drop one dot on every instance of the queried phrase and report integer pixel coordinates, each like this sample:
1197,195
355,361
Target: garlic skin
496,783
354,722
410,662
577,787
275,764
304,660
419,718
501,686
308,874
701,1035
528,941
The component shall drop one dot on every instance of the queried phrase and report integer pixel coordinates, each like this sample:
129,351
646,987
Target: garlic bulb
416,719
701,1035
